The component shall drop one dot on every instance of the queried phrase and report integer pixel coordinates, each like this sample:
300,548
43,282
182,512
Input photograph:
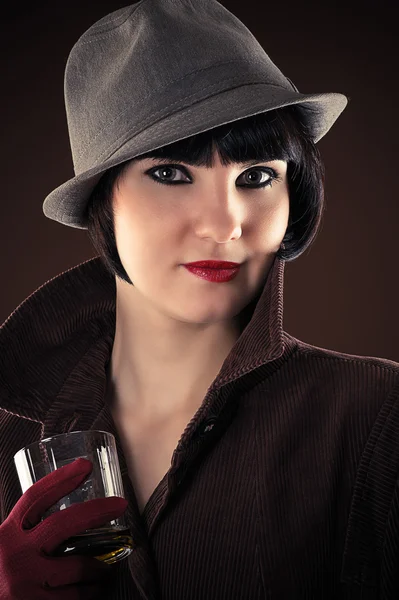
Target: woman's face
221,213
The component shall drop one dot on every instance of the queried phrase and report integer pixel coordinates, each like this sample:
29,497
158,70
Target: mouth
217,274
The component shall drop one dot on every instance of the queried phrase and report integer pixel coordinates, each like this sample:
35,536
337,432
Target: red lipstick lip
213,264
212,274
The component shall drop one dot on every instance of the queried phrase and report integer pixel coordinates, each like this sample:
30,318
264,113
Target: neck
160,366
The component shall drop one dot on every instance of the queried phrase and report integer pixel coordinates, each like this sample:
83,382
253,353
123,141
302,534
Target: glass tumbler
109,543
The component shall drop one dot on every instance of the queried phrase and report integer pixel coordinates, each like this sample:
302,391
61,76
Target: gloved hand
27,571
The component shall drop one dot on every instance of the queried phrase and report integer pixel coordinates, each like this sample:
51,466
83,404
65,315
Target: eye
258,177
166,174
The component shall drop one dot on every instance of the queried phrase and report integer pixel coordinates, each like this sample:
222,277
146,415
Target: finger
69,570
75,519
48,490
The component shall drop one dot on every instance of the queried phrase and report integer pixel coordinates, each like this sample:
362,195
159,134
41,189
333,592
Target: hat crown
152,58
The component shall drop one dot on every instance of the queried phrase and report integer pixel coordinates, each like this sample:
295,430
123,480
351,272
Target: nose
221,217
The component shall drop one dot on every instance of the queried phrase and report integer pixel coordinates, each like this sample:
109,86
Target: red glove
27,569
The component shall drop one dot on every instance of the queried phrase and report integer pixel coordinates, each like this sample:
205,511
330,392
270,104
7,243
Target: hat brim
67,203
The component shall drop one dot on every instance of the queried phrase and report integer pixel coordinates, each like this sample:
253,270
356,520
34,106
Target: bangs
273,135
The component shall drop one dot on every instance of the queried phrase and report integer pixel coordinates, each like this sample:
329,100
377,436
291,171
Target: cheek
142,238
271,224
132,239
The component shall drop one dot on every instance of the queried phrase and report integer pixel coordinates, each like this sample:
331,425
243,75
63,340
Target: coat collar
72,316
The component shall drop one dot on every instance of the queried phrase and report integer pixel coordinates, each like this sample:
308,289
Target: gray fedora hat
156,72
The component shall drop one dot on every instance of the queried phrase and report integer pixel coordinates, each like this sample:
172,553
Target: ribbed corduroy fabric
284,485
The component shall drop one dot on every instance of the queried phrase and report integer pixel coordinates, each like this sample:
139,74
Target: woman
255,465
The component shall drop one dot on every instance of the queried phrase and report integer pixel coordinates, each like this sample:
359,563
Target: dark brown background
342,293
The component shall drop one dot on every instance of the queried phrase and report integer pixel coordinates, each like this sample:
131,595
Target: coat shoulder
328,367
317,353
340,387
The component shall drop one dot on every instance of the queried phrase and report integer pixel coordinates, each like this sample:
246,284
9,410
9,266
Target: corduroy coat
284,485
